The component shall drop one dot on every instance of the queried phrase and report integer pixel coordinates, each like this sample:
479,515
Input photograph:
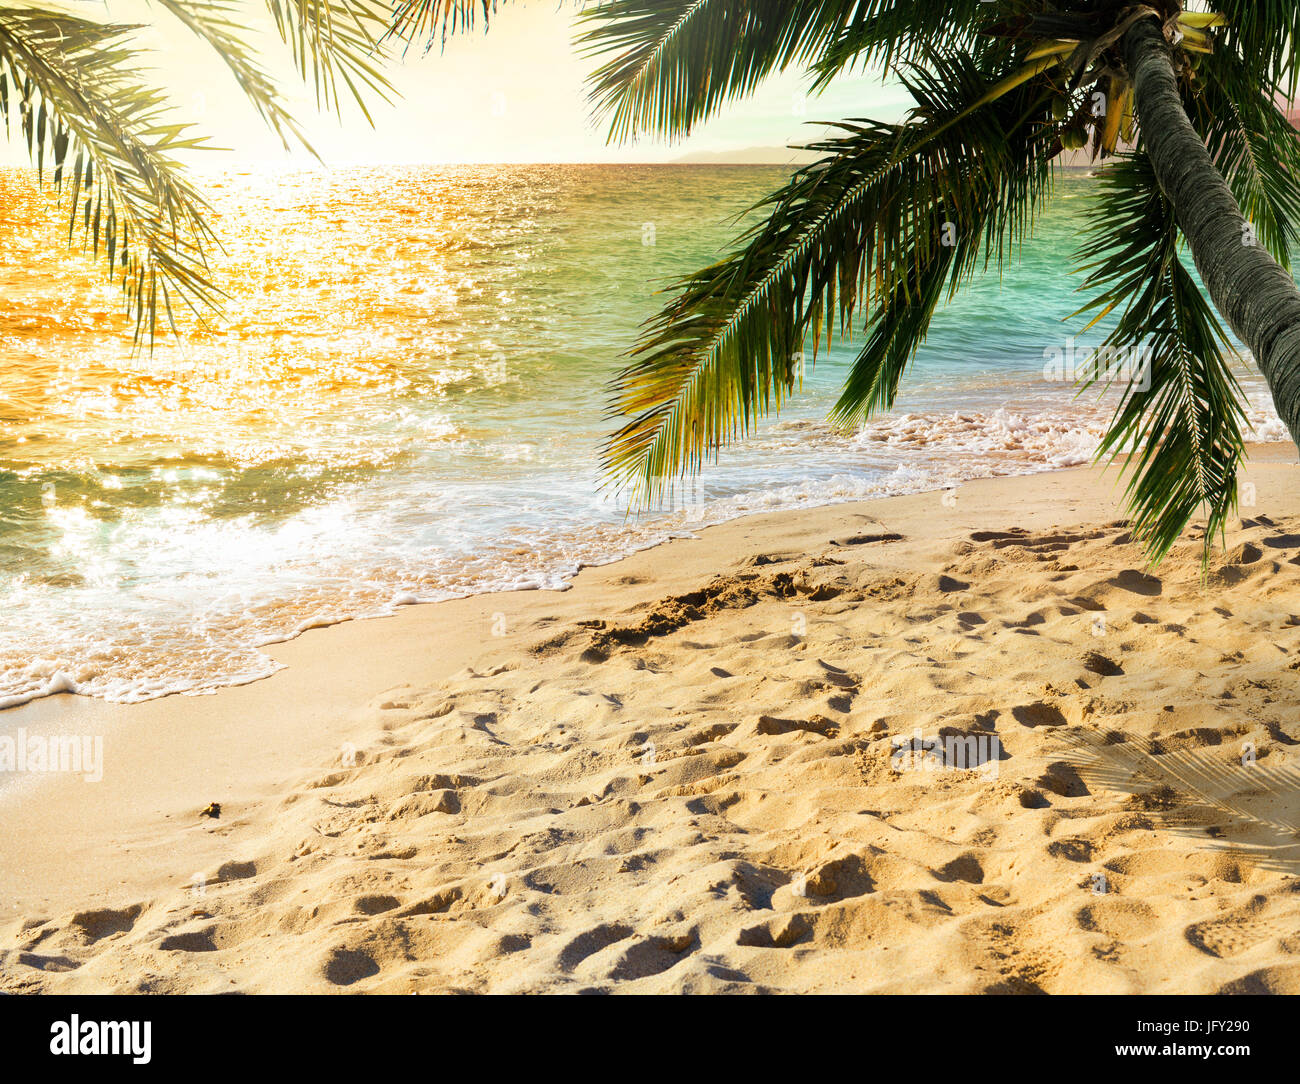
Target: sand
682,776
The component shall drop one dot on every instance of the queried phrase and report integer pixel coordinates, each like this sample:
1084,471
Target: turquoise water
405,402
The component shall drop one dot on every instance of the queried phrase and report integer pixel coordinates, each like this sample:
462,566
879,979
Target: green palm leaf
1002,154
1184,430
895,33
211,21
678,60
66,78
113,146
437,20
335,42
1266,33
864,227
1254,145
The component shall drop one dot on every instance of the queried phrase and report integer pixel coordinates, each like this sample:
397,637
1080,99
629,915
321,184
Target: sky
514,94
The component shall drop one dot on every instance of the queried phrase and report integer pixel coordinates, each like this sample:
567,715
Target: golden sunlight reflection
404,400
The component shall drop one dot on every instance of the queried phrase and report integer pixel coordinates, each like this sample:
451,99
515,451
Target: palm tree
110,143
1186,104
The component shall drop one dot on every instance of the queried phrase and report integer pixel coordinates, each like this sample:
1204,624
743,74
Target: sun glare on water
403,399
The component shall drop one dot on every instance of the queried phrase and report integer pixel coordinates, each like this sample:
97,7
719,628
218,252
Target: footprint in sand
375,905
1236,932
1120,919
817,724
97,925
343,967
650,957
1097,663
591,942
52,964
1038,714
781,932
193,941
1267,980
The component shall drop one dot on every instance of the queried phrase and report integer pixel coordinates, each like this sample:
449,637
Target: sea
404,397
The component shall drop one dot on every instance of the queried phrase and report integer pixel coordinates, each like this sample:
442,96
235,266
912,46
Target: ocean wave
405,405
193,638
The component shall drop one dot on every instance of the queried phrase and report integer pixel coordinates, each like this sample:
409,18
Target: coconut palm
107,143
1184,103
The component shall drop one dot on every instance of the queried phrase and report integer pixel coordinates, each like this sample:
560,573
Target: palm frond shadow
1248,810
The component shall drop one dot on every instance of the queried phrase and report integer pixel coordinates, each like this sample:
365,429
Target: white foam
59,682
199,632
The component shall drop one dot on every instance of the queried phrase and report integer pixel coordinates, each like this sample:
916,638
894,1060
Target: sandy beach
682,775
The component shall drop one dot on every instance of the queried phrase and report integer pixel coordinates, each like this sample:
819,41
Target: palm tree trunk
1256,296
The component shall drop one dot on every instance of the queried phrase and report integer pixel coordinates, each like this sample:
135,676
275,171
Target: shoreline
49,710
74,846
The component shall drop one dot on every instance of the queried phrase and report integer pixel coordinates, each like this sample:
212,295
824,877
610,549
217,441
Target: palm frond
1254,146
435,21
1265,33
1181,413
335,42
678,60
898,330
113,147
212,22
863,227
1004,151
68,80
896,33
